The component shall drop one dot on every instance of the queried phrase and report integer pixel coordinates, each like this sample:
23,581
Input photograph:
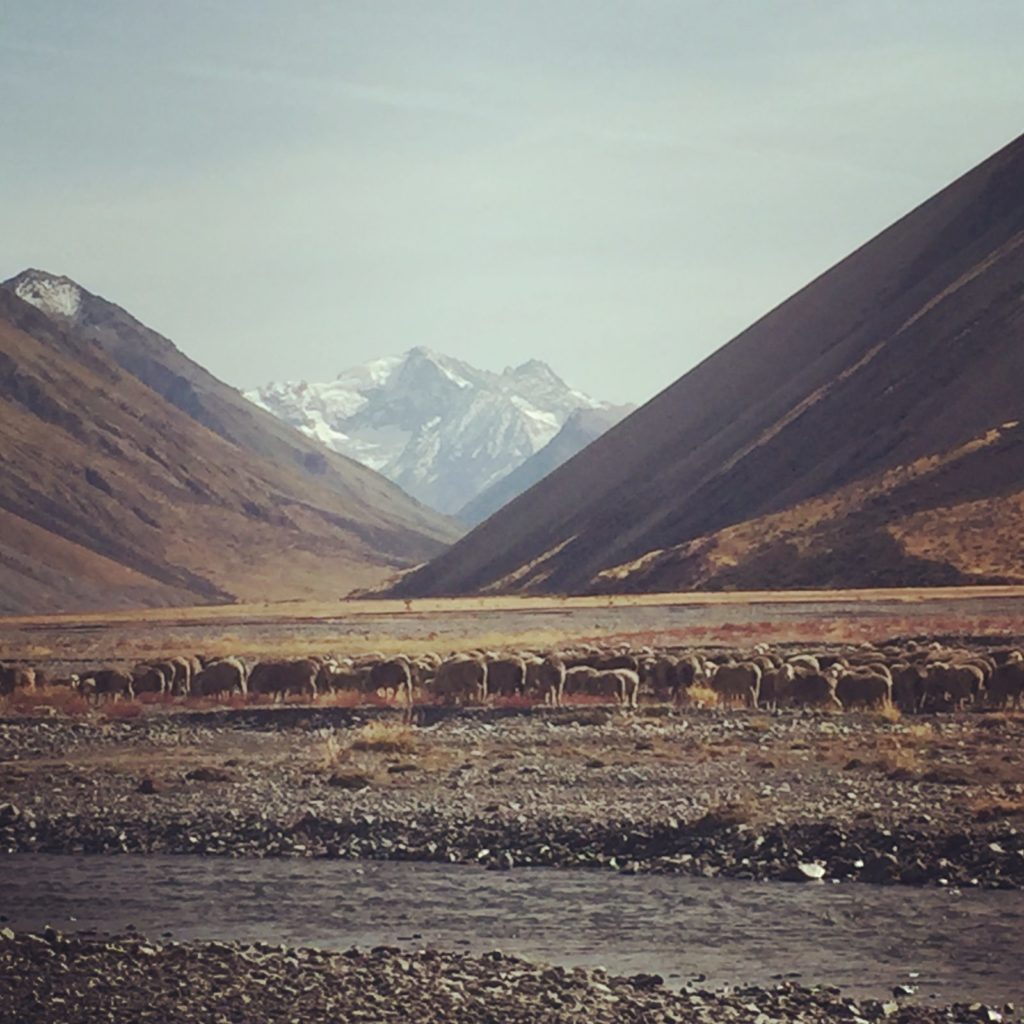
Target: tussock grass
384,737
703,696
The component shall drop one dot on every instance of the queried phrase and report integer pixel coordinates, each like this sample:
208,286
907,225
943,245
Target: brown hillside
110,495
909,347
918,525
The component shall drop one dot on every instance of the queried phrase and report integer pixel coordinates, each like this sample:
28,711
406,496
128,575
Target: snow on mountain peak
54,295
439,427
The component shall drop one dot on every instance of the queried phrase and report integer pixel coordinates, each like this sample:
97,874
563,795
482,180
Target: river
950,946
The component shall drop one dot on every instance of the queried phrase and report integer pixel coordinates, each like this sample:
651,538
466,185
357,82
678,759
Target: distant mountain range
441,429
867,432
131,476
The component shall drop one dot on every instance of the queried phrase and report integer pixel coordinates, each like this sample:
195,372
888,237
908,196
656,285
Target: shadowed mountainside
131,476
910,347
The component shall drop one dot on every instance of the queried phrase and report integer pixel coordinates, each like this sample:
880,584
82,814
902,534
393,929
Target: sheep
225,676
461,680
740,682
864,689
280,678
506,677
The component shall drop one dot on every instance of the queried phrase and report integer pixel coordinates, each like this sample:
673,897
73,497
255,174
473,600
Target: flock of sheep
912,677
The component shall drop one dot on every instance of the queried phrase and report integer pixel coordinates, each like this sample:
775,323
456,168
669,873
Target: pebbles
81,980
713,794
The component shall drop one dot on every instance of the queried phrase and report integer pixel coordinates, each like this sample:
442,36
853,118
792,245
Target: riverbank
52,977
938,800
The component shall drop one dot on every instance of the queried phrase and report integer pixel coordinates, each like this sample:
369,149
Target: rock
208,773
881,868
349,780
804,871
646,982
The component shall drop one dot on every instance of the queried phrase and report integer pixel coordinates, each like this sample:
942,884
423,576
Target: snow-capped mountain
441,429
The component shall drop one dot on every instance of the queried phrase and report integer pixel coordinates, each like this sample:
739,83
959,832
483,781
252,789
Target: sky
287,189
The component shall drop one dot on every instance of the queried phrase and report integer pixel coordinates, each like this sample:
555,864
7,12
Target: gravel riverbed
49,977
936,800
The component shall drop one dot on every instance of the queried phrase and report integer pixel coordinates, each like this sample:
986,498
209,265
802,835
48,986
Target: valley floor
921,800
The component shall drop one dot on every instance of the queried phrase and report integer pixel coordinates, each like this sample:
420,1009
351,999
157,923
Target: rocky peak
52,294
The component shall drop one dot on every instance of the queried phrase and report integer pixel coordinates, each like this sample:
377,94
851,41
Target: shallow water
866,939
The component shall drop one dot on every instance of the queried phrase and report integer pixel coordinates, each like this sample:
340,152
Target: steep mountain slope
441,429
581,428
160,365
112,496
908,348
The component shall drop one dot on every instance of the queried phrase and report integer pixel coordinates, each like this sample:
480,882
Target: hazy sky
288,188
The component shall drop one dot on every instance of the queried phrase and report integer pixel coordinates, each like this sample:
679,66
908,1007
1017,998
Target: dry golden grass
329,753
61,699
888,713
989,808
703,696
899,763
385,737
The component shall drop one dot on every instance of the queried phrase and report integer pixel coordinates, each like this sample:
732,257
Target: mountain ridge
904,349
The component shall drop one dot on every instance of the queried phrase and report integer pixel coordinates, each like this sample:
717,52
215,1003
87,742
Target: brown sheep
221,677
864,689
148,679
350,679
619,684
394,676
776,685
672,677
814,690
577,680
546,680
506,677
461,680
1006,687
281,678
740,682
952,685
908,686
111,684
